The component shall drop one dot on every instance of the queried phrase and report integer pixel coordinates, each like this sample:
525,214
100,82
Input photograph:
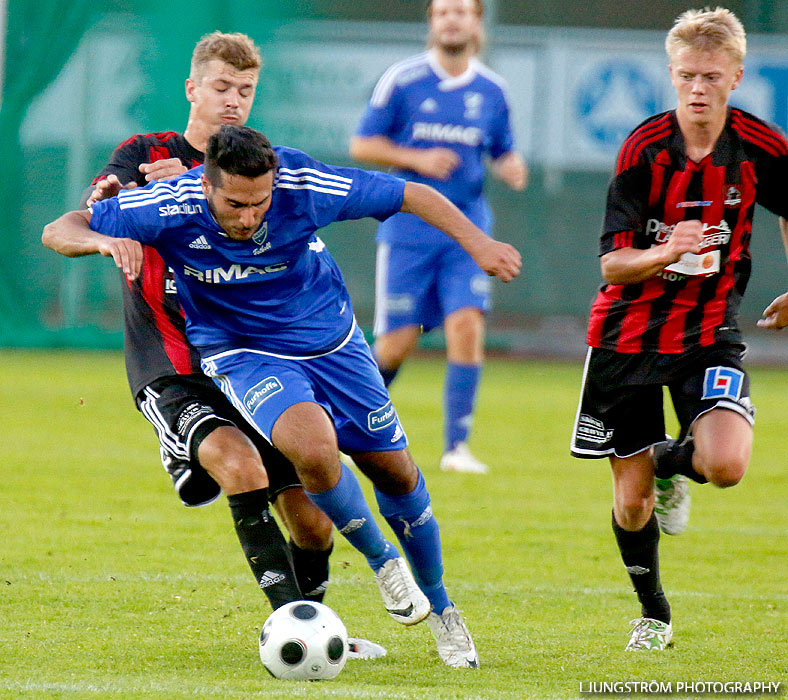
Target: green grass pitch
110,589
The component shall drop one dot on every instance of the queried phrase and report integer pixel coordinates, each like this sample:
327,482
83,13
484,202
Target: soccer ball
303,641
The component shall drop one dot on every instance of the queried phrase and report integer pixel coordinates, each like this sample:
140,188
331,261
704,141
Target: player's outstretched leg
348,510
410,516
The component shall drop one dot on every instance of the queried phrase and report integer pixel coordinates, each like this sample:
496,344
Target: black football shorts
621,404
184,410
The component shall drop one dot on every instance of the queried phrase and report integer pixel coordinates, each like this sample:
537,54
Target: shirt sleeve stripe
325,190
327,176
317,180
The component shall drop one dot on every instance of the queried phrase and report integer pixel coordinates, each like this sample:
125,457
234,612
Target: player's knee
727,474
316,456
724,470
633,511
311,529
232,460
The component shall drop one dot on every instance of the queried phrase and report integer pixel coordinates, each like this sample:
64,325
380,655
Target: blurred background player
433,118
205,444
675,259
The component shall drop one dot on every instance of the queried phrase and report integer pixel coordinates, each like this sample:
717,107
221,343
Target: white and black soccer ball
303,641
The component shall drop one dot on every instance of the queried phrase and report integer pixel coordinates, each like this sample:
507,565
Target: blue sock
411,518
459,396
348,510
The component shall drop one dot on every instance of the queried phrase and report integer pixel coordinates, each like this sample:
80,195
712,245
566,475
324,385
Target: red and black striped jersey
154,327
694,303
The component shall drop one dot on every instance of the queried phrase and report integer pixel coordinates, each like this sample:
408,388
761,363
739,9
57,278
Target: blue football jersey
281,291
417,104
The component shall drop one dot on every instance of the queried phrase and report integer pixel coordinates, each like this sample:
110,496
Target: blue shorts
423,276
345,382
421,286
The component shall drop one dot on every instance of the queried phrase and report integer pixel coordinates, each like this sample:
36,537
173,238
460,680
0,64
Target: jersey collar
452,82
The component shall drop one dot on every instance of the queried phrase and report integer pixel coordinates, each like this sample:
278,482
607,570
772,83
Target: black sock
674,457
388,375
311,570
265,548
640,552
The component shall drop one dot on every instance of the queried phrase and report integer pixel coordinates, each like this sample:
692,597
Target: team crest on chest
732,196
429,106
473,104
260,239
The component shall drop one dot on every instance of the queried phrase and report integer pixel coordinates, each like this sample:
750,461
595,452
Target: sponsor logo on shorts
189,414
722,383
593,430
382,418
400,303
260,392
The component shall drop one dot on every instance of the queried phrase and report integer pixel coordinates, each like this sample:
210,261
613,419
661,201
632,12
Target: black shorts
621,408
185,409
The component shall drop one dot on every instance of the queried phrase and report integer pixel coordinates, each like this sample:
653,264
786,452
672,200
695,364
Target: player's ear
737,77
190,86
206,184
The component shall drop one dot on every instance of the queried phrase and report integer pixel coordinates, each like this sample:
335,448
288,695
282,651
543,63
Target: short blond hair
236,49
708,30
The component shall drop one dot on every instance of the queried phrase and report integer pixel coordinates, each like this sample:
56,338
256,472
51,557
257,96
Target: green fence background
77,81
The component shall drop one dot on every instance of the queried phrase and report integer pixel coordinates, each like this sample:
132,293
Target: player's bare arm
511,169
162,169
494,257
438,163
630,265
775,316
71,235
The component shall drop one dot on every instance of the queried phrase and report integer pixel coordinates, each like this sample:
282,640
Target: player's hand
499,260
438,163
126,253
511,168
686,238
775,316
108,187
162,169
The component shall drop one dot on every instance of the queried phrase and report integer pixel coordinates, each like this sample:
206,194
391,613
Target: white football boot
672,504
403,599
460,459
649,634
358,648
455,645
